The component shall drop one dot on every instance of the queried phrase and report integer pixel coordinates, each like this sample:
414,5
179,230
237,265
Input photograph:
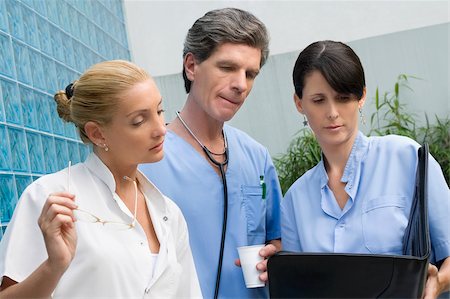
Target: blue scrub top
380,175
188,179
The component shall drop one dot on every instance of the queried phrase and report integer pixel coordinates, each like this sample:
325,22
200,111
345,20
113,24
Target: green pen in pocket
263,185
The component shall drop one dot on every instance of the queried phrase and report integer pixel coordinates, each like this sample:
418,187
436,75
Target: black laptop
331,275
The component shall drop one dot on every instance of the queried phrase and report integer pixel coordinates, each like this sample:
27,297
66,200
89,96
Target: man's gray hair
227,25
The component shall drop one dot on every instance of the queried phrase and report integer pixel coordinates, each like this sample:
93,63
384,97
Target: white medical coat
107,263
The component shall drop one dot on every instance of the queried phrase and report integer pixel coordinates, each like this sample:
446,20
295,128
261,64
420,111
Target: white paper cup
249,256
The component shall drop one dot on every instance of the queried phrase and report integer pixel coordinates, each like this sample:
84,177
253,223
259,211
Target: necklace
225,145
127,178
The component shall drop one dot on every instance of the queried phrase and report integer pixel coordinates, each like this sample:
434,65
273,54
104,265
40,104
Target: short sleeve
289,232
438,211
274,195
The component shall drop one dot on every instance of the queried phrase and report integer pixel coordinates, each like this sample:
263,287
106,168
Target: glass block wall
44,45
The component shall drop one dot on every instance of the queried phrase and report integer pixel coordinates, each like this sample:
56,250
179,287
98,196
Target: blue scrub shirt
188,179
380,175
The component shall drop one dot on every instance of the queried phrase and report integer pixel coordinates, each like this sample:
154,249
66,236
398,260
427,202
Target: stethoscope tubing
221,166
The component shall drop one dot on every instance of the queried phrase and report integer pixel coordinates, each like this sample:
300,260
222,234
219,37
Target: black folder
342,275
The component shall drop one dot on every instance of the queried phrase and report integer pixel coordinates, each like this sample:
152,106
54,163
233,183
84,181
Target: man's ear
95,133
298,103
189,66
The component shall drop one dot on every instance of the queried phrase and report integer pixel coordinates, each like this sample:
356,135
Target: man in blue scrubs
223,53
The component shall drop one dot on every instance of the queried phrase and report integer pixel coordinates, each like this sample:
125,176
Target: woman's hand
432,284
58,228
438,281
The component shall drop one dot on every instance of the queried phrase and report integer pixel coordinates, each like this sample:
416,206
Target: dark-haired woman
358,197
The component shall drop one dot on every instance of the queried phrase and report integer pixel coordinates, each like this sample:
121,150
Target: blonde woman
101,228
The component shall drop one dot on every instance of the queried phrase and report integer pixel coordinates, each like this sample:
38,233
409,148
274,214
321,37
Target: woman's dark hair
336,61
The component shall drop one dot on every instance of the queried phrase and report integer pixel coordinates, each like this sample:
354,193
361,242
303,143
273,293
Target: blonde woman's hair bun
63,100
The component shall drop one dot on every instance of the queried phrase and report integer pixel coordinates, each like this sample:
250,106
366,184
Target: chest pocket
255,213
384,221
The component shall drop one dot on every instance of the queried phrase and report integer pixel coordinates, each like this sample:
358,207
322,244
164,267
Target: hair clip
69,90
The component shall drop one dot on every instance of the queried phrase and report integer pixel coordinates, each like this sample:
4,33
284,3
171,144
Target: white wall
157,28
269,114
390,38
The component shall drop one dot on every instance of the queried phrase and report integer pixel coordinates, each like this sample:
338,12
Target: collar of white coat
102,172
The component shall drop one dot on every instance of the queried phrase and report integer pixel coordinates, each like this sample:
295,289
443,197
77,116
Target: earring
103,146
305,121
362,117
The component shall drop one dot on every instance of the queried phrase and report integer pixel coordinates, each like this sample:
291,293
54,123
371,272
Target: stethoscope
221,166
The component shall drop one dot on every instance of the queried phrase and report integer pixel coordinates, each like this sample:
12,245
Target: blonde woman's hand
58,228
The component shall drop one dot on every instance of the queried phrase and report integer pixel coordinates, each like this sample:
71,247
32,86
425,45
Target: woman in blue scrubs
358,197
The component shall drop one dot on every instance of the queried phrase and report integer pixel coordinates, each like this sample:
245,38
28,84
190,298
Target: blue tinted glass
74,153
19,152
57,43
41,7
6,56
39,72
57,122
11,101
68,50
52,11
3,17
44,117
22,60
44,35
29,25
92,34
8,197
84,32
28,108
84,151
45,45
48,146
69,130
5,157
61,152
28,3
15,20
78,49
35,152
50,75
74,26
2,110
101,42
61,77
22,181
64,16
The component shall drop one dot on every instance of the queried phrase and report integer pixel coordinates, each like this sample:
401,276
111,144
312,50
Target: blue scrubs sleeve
273,197
438,211
289,233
